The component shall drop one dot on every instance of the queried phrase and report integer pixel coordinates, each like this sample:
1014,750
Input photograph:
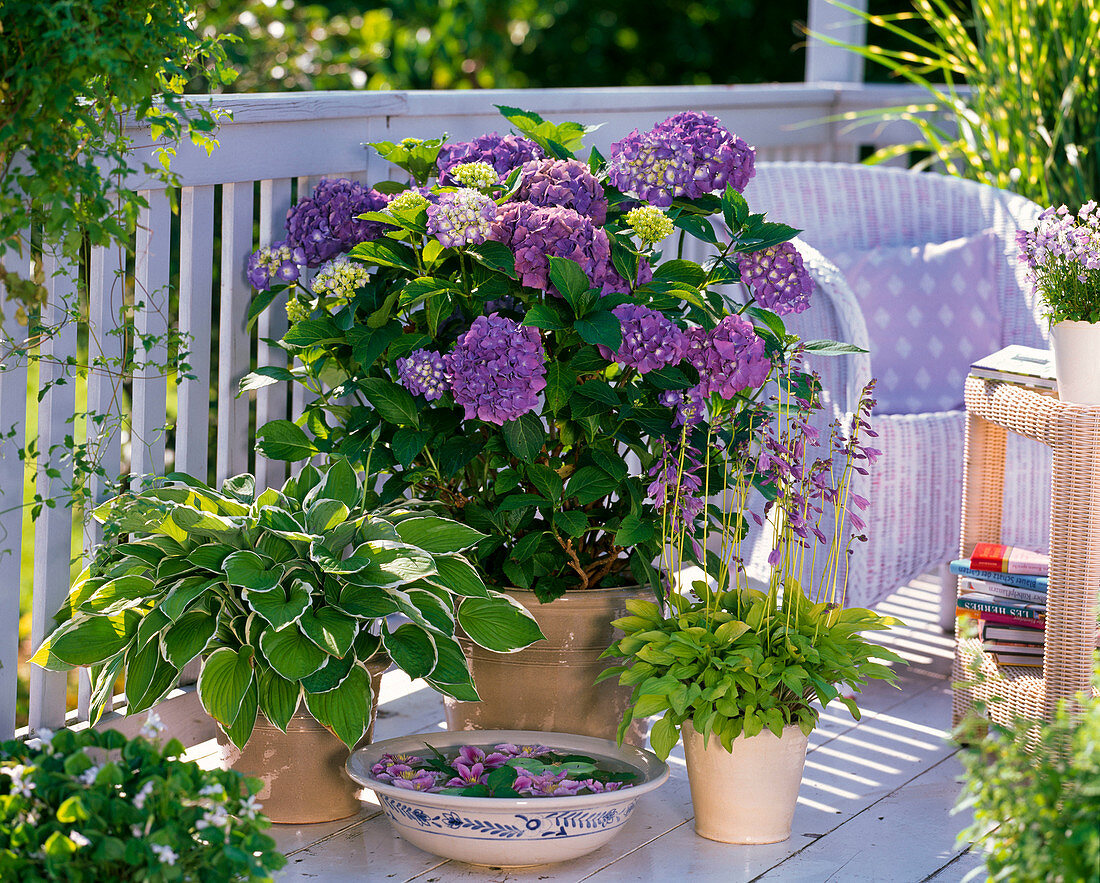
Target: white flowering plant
94,806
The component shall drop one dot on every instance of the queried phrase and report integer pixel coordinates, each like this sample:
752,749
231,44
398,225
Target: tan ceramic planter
550,687
302,770
749,795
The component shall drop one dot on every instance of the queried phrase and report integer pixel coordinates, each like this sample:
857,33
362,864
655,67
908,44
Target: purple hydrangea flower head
326,224
777,278
464,217
502,152
718,156
650,339
497,369
729,358
534,232
656,167
563,183
278,261
690,404
423,372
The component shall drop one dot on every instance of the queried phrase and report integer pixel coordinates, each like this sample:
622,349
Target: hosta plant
501,331
284,596
733,659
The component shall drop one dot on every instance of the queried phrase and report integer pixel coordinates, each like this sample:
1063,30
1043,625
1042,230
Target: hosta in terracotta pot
1063,258
735,669
283,595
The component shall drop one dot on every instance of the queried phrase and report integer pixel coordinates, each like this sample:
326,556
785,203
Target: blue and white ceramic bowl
509,831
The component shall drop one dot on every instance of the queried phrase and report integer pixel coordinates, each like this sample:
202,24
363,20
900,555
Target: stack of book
1005,590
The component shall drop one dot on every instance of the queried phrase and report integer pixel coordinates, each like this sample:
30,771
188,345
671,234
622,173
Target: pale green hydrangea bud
479,175
339,279
296,311
649,224
409,200
411,142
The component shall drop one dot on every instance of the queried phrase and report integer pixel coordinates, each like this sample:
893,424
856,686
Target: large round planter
302,770
509,831
747,795
1077,361
551,686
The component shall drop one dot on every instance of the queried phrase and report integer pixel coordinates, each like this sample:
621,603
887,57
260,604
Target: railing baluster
196,291
13,407
233,340
151,277
53,529
271,400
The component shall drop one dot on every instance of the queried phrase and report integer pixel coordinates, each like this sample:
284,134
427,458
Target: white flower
165,853
88,776
79,839
152,727
139,798
137,830
218,817
45,736
214,790
16,773
250,807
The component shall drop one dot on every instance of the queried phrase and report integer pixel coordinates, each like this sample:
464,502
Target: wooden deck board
875,803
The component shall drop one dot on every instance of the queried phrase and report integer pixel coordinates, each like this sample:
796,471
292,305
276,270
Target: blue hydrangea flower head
423,372
463,217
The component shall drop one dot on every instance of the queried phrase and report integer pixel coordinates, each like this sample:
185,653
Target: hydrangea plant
89,805
520,348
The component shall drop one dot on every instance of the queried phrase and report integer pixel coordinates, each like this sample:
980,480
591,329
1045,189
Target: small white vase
747,795
1077,361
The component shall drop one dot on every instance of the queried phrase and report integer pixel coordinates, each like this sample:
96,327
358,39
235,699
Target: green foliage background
423,44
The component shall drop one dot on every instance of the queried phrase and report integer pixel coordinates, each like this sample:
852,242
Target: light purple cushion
931,311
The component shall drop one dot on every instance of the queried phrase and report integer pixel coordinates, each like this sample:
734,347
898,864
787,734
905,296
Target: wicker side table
1073,434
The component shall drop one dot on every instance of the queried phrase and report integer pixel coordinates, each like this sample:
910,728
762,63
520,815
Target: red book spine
1008,619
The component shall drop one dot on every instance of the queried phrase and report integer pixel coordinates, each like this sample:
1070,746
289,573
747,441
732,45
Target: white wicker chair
916,486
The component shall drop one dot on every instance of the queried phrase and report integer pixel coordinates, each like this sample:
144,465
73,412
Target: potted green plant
504,338
93,805
284,597
735,669
1063,258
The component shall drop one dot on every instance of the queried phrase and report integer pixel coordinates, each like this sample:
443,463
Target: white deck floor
875,803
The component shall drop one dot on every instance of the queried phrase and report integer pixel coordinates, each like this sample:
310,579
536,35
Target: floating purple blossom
534,232
655,167
503,153
777,278
462,218
415,780
325,224
563,183
729,358
718,156
547,784
471,754
650,339
690,405
511,750
423,372
277,261
497,369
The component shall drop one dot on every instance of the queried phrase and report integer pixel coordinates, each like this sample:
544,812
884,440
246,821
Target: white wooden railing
274,147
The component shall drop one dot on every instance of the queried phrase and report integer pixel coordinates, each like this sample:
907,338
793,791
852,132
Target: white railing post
13,407
834,64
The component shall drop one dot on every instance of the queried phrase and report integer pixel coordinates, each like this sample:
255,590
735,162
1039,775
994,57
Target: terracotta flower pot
550,686
302,770
747,795
1076,364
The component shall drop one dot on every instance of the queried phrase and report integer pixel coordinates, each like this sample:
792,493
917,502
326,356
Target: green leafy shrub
260,588
1035,792
90,806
